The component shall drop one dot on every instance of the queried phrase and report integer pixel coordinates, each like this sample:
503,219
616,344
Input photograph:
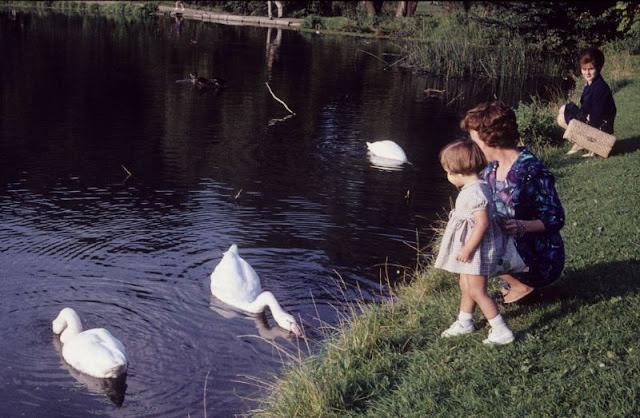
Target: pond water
121,185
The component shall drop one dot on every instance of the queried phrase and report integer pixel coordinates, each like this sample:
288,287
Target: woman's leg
560,118
517,289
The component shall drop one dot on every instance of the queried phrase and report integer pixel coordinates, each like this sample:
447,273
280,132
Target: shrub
537,124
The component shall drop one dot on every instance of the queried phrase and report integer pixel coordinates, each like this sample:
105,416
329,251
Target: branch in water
275,97
129,174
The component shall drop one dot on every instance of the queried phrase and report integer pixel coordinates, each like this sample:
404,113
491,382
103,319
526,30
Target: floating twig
129,174
434,92
278,120
276,97
399,60
237,195
374,56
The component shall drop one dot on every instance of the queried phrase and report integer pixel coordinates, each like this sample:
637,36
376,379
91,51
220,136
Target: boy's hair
591,56
462,156
495,123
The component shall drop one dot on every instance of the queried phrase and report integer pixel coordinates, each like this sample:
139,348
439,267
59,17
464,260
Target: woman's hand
519,227
514,227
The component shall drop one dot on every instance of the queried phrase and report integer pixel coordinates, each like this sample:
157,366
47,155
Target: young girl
472,244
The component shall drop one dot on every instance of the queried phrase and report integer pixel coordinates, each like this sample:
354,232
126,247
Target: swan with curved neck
387,149
236,283
94,352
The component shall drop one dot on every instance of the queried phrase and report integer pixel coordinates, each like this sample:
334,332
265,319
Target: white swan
236,283
387,149
95,351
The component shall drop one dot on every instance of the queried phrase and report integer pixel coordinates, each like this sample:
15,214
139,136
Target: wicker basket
589,138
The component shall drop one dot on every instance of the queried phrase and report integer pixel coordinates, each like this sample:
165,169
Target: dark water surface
85,100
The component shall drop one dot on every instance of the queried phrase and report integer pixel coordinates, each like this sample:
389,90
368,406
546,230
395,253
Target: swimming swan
387,149
236,283
95,351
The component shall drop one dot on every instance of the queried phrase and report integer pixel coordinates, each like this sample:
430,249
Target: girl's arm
481,219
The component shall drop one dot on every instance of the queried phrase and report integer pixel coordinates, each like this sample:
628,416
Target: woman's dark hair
462,157
591,56
495,123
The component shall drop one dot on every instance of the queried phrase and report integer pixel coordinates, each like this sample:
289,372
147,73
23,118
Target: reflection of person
272,49
178,25
472,242
523,190
597,107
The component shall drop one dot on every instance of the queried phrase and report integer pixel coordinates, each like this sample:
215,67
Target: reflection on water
265,330
385,164
120,189
114,389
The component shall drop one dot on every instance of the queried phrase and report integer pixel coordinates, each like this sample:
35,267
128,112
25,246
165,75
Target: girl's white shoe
457,328
501,336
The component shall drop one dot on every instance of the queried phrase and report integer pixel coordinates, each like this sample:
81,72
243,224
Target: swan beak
296,329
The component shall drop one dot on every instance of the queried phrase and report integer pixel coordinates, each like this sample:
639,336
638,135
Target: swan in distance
94,352
236,283
387,149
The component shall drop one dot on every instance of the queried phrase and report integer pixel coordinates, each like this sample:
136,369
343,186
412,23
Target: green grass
576,352
122,8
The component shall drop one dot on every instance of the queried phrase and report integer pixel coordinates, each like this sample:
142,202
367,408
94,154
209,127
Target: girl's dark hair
591,56
495,123
462,156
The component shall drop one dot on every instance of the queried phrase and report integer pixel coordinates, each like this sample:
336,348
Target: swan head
66,324
287,322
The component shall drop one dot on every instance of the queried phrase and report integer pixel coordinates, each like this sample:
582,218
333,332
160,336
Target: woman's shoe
519,297
589,155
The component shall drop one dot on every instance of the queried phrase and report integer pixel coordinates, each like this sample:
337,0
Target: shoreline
229,19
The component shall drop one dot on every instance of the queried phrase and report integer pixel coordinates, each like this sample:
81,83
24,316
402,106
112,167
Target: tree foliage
559,27
629,24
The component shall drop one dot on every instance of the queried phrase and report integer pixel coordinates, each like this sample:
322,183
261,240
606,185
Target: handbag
511,262
589,137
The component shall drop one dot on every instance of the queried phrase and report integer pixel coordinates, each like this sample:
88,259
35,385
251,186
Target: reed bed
461,56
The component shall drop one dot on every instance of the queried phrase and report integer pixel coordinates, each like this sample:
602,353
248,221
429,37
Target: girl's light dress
486,260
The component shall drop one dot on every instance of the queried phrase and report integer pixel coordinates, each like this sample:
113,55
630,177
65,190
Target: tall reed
462,56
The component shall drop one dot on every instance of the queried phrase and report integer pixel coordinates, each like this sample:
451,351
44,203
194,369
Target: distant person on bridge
278,5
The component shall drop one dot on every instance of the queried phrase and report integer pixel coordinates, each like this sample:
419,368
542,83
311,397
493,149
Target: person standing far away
278,6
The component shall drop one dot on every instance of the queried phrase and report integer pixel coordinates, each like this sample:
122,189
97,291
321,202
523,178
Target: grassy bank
576,352
138,9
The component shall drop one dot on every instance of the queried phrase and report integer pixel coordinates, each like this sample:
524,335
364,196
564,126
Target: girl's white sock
465,318
497,322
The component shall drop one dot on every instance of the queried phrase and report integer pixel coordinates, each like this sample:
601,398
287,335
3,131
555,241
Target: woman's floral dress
529,193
